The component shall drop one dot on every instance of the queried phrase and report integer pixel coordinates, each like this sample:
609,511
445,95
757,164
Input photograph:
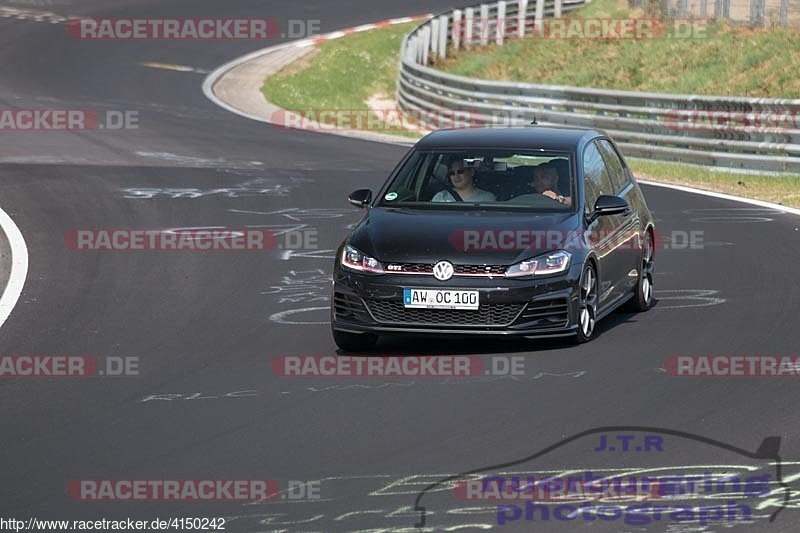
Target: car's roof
520,137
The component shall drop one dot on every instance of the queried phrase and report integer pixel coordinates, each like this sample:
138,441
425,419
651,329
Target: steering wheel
552,199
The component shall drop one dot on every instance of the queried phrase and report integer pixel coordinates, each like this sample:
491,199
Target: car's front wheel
643,296
354,342
587,304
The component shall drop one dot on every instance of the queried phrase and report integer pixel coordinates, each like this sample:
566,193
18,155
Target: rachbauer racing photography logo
624,475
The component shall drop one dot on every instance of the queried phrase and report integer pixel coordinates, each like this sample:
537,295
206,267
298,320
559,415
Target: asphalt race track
205,326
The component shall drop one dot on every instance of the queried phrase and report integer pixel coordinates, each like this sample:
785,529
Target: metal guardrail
738,132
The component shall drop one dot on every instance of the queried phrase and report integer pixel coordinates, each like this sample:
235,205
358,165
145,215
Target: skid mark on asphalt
733,215
301,286
254,187
173,396
288,255
174,68
32,15
254,393
284,317
686,298
300,214
476,381
194,161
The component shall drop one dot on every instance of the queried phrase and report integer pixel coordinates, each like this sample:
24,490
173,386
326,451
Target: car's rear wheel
587,304
643,296
354,342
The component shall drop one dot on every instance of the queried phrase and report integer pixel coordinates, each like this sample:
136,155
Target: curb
357,29
218,75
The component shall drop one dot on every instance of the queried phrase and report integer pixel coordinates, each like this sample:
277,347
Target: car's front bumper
546,307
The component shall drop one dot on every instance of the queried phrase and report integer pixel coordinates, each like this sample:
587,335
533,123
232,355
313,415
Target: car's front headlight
353,259
543,265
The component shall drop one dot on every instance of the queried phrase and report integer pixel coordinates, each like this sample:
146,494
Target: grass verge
783,189
343,74
717,60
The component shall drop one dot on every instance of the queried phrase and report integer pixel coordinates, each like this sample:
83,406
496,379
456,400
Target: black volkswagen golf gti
530,231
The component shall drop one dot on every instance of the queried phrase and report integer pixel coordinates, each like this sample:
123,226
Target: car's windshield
483,179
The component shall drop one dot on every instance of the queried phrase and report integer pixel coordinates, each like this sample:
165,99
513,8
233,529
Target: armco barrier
752,133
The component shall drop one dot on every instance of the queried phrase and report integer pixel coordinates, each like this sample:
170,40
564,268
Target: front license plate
440,299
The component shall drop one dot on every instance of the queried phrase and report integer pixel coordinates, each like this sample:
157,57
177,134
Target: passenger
461,177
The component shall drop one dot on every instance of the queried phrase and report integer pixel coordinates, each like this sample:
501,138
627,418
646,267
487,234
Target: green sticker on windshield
390,196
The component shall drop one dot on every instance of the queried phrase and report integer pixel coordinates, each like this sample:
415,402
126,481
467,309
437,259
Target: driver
461,177
545,182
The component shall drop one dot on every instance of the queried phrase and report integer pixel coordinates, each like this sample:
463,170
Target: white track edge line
19,266
723,196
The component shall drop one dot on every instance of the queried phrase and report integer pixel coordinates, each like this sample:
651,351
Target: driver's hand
550,194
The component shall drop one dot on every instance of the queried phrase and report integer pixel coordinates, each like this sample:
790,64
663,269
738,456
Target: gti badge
443,270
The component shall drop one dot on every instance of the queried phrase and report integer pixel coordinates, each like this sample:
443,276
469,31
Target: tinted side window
410,181
596,179
619,178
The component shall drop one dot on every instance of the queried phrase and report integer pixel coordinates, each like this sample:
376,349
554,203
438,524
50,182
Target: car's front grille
491,315
412,268
546,313
346,306
494,270
459,270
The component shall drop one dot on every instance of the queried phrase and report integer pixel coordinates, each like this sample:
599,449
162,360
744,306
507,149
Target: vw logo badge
443,270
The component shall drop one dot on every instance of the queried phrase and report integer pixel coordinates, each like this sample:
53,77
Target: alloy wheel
587,307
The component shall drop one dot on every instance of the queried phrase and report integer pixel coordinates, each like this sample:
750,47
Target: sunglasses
460,171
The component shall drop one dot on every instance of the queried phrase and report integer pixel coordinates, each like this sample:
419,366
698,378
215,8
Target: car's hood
475,238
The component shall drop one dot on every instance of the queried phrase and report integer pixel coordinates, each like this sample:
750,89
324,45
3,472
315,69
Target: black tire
587,304
354,342
643,293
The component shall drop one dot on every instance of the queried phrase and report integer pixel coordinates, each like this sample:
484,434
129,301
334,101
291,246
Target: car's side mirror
610,205
360,198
